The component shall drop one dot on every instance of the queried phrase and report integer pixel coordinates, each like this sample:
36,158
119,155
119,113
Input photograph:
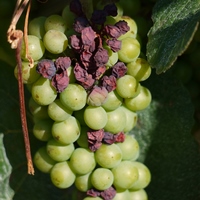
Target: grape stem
15,38
23,109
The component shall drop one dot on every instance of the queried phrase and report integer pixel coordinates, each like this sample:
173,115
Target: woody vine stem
15,38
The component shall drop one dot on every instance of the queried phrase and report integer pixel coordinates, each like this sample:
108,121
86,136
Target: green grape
79,116
102,178
130,50
83,139
127,86
144,177
82,161
116,121
95,117
140,69
113,57
74,97
121,195
67,131
68,16
43,92
43,161
131,119
71,75
55,41
36,48
108,156
62,175
83,182
59,152
36,27
113,101
139,102
130,148
132,33
125,174
42,129
138,195
92,198
37,110
29,74
55,22
58,112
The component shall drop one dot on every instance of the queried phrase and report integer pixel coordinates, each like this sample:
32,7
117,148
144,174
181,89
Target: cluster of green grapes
86,137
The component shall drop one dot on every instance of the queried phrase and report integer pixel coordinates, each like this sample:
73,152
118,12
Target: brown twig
15,38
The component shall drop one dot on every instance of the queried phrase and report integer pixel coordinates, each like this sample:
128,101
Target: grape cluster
86,91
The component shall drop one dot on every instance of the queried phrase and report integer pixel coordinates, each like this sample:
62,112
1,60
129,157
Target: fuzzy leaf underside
174,24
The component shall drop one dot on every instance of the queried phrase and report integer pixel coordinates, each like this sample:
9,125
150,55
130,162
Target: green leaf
167,146
6,193
174,24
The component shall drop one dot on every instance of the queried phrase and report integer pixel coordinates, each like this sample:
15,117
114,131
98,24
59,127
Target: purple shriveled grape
108,194
123,26
93,192
46,68
82,76
62,63
111,9
80,23
60,81
119,69
99,17
76,43
112,31
101,57
75,7
114,44
95,139
109,82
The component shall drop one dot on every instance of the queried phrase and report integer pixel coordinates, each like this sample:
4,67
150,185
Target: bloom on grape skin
97,96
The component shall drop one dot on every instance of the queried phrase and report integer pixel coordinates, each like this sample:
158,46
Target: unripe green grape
83,139
92,198
140,69
82,161
43,92
125,174
36,27
139,102
144,177
37,110
121,195
62,175
58,112
79,116
130,50
138,195
113,101
29,74
55,41
113,57
95,117
67,131
71,75
127,86
130,148
102,178
43,161
55,22
132,33
131,119
42,129
36,48
59,152
83,182
108,156
73,97
116,121
68,16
